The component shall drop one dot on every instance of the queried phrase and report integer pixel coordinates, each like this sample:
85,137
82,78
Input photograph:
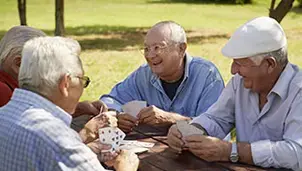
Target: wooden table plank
162,158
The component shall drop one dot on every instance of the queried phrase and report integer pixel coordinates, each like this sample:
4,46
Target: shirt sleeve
123,92
288,152
5,94
218,120
213,88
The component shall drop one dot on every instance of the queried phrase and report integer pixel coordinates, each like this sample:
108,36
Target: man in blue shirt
175,85
262,100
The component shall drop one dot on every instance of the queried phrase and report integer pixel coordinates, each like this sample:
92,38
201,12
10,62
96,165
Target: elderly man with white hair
262,101
175,85
34,124
10,58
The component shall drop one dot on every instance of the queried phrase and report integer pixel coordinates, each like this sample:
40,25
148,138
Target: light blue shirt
275,132
200,88
35,135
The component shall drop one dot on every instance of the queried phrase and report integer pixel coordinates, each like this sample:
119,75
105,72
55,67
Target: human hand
90,108
208,148
152,115
126,122
96,146
126,161
175,139
90,130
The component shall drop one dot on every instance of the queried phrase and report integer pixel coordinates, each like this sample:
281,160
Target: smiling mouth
156,63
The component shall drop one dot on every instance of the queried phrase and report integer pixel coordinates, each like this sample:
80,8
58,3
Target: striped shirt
35,135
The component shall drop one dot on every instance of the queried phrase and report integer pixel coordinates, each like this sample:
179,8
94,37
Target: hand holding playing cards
208,148
90,130
90,108
126,122
175,139
126,161
152,115
97,148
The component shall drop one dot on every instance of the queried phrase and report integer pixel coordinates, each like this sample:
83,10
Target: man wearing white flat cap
262,100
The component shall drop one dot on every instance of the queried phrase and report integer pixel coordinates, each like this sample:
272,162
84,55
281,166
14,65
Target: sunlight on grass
111,31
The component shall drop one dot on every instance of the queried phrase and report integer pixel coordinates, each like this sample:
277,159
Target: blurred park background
111,32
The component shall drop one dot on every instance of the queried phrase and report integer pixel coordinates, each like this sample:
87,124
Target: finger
126,116
192,138
125,129
104,146
125,122
149,120
144,113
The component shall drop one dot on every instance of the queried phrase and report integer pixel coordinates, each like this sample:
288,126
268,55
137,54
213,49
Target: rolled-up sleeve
122,93
218,120
288,152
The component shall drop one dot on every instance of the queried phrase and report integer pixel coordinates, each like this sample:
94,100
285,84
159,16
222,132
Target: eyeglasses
157,49
85,80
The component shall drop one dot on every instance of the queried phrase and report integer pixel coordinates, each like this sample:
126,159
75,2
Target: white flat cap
259,35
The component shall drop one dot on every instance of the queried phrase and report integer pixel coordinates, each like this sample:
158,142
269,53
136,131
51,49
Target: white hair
45,60
178,34
12,42
280,55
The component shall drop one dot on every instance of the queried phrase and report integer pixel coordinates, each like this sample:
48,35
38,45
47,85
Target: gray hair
12,42
45,60
280,55
178,34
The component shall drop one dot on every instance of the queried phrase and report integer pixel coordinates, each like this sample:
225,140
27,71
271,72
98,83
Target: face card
134,107
187,129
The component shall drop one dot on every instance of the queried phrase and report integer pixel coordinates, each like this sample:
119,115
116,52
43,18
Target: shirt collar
188,59
8,79
36,100
282,85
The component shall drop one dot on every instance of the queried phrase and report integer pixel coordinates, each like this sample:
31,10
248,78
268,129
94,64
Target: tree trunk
59,31
22,11
282,9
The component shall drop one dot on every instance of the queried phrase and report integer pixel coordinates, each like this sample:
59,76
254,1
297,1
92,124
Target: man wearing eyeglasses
175,85
11,46
262,101
35,131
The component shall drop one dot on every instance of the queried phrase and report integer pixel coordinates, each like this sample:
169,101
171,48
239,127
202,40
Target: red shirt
7,86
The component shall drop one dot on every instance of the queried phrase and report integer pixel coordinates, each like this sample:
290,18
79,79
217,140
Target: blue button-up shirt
35,135
275,132
200,88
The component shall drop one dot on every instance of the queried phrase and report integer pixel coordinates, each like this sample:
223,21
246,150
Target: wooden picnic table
162,158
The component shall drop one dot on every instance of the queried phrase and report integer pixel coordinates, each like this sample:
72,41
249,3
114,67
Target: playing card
134,107
113,136
137,143
186,129
134,149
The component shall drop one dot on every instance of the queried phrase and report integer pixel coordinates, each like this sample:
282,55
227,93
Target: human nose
234,68
150,54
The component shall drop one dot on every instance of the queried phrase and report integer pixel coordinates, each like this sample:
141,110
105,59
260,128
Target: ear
272,64
64,85
16,64
183,48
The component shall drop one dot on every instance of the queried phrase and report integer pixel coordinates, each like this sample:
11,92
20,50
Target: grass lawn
112,31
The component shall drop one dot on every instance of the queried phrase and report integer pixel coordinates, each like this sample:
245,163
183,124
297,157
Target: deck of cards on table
134,107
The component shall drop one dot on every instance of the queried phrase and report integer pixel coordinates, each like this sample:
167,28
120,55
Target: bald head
170,31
